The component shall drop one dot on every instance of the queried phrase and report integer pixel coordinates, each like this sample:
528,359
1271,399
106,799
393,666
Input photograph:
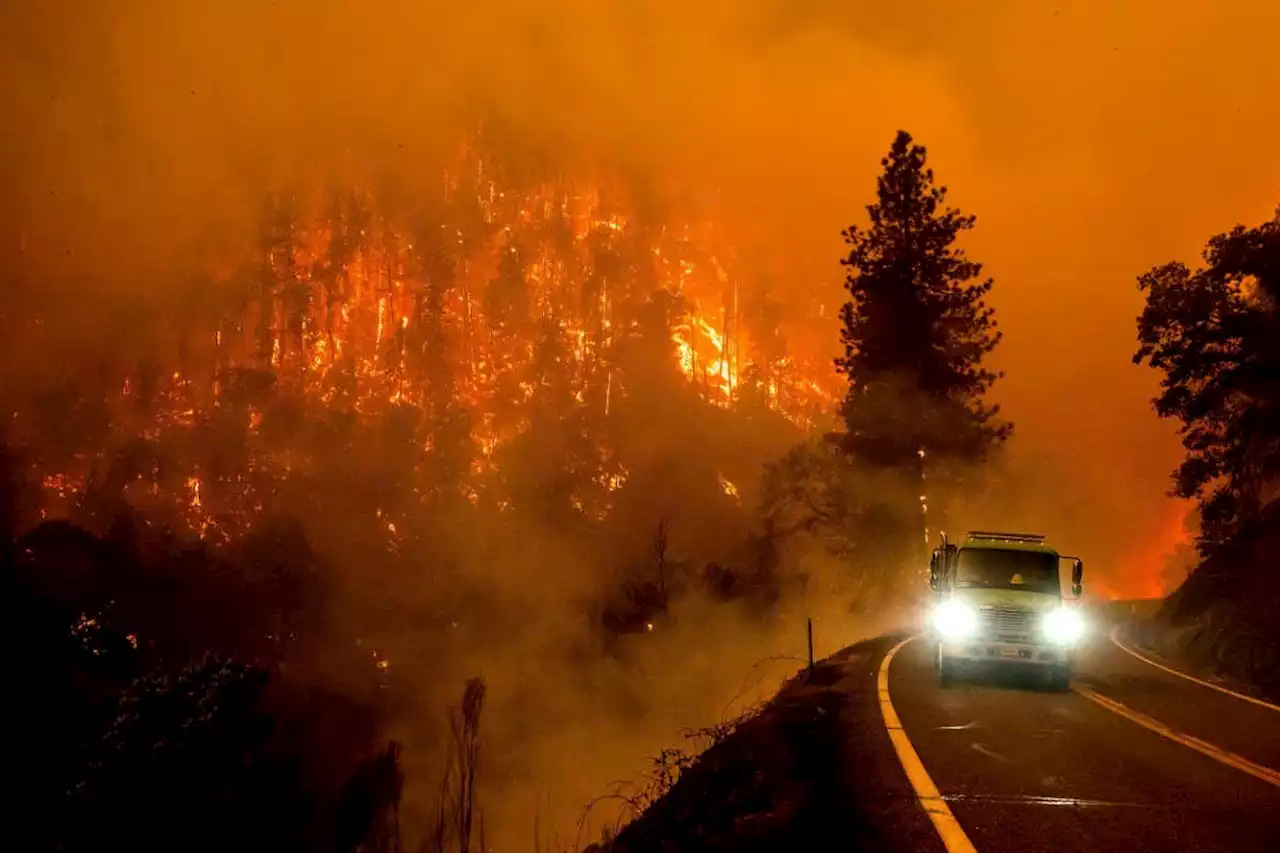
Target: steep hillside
1225,618
812,771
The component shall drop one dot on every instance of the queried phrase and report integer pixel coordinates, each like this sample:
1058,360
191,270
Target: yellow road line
1251,699
1244,765
949,830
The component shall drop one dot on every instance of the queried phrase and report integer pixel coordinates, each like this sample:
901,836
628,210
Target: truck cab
998,601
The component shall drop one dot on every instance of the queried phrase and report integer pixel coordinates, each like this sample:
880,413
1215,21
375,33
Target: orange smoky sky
1092,139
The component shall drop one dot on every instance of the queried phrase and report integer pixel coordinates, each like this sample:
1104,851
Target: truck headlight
1063,626
955,619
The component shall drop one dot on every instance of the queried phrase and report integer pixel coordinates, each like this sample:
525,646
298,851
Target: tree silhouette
916,330
144,726
759,387
447,424
554,462
506,305
1215,335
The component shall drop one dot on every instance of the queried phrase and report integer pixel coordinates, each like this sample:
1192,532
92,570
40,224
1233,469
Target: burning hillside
497,425
458,319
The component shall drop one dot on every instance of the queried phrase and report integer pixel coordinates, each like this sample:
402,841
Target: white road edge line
1115,638
1244,765
948,828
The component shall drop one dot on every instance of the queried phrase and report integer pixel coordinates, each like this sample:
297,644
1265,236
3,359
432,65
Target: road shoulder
814,771
1244,728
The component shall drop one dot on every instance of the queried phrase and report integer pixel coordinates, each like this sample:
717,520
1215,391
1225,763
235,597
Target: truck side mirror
1077,575
933,570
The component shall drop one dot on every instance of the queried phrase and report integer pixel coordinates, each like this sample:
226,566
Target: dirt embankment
814,770
1225,618
778,782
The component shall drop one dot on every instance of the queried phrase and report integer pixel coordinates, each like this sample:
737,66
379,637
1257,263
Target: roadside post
810,646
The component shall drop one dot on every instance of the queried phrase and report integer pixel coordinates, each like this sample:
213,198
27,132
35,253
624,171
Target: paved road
1023,769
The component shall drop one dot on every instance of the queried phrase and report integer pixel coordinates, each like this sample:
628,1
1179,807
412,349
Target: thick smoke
1092,140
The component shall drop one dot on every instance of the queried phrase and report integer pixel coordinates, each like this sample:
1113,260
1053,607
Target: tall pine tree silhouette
916,332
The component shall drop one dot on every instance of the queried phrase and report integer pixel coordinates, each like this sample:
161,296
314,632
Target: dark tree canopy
917,327
1215,335
916,332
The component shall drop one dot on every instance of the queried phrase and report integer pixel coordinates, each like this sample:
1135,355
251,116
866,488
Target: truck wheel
1060,679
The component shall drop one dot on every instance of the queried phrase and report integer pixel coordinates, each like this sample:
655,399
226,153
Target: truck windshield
999,569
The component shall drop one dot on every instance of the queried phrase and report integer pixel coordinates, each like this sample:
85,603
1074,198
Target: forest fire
359,360
1155,569
499,296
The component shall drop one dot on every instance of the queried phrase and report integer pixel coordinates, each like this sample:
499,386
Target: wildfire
63,486
350,311
1160,562
727,486
686,355
698,342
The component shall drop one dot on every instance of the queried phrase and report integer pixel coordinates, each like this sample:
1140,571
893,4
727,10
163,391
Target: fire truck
999,601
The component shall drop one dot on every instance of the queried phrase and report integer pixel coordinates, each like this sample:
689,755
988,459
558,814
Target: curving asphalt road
1132,758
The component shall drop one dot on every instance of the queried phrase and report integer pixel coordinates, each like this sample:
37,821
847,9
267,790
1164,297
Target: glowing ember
727,487
63,486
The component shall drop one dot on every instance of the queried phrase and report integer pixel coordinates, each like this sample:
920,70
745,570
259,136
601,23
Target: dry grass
459,824
664,772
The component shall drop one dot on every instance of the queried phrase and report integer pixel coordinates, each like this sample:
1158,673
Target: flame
63,485
686,355
1146,572
717,340
357,338
699,341
727,487
614,480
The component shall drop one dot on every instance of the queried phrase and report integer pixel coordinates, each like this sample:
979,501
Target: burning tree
448,327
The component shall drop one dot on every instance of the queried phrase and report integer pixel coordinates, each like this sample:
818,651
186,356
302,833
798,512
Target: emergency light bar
1011,537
